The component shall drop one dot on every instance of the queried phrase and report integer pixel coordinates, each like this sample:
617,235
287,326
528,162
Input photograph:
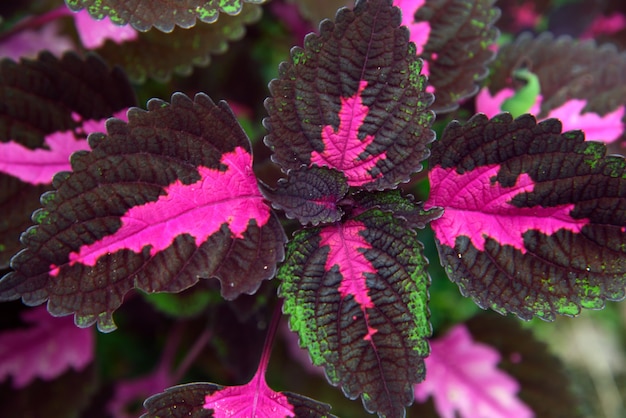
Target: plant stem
269,338
192,355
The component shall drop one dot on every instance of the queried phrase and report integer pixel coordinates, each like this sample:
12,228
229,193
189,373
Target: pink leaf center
200,209
343,149
477,209
346,252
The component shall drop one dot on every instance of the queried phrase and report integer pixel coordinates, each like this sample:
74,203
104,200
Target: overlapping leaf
566,69
189,400
41,97
158,55
160,202
162,14
453,37
356,292
353,100
311,195
534,221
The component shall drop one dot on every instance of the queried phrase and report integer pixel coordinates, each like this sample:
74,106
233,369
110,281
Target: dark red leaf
534,220
356,292
353,100
160,202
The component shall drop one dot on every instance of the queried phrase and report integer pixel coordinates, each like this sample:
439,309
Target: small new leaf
310,195
161,201
534,220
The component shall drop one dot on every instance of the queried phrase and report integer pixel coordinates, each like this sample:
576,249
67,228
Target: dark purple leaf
454,39
162,14
39,99
46,349
160,202
353,100
356,293
534,220
310,195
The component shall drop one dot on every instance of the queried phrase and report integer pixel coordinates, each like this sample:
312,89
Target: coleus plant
528,218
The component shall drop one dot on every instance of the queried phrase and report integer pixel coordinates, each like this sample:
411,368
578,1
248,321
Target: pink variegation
346,246
343,149
607,128
420,31
477,209
94,33
46,349
200,209
462,377
38,166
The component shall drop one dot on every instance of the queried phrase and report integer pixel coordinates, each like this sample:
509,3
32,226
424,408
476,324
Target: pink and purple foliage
478,209
46,349
255,399
38,166
200,209
462,377
343,149
607,128
346,252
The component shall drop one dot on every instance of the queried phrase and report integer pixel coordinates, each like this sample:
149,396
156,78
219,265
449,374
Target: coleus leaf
356,292
162,14
311,195
534,221
353,100
463,377
158,55
39,99
189,400
566,69
161,201
454,39
46,349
